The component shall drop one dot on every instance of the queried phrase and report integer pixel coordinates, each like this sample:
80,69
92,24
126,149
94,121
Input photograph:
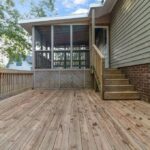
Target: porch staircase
117,86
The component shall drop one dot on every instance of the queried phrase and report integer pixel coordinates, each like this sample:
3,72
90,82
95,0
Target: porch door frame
108,47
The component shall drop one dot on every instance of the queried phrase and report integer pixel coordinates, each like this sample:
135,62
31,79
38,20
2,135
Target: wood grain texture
98,67
14,81
70,78
72,120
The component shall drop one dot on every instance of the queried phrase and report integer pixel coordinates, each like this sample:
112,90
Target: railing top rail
98,51
15,71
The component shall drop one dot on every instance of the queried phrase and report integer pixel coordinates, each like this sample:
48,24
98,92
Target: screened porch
62,47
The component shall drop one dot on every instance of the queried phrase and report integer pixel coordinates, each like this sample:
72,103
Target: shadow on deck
72,119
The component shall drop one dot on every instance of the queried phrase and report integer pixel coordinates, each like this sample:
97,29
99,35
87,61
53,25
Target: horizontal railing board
15,71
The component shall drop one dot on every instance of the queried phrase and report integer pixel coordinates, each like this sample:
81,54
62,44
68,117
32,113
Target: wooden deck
72,119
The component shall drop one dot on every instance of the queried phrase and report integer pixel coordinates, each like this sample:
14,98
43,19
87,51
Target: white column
93,32
90,44
52,45
33,47
71,42
33,54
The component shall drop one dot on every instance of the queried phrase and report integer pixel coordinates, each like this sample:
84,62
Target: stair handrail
98,68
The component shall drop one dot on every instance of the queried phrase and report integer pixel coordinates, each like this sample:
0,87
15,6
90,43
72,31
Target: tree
41,8
14,39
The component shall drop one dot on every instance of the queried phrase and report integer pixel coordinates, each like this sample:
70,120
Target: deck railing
14,81
98,68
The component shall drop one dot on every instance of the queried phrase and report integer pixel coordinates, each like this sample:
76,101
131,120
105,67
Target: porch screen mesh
62,46
80,55
43,47
62,50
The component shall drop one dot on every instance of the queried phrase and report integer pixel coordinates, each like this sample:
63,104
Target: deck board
72,120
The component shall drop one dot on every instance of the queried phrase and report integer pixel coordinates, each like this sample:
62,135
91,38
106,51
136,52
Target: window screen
43,47
62,46
80,55
43,38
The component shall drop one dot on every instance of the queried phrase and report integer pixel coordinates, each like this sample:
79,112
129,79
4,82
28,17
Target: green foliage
1,65
12,37
40,8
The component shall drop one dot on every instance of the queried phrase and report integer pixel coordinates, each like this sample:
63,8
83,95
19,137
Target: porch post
33,55
71,42
33,48
52,45
93,32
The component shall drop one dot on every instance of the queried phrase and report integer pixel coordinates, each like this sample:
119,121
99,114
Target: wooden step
114,76
112,71
116,81
119,88
126,95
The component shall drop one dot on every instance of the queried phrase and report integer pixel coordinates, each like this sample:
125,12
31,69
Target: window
62,46
80,55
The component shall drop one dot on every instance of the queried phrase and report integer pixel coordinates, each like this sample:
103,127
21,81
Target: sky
63,7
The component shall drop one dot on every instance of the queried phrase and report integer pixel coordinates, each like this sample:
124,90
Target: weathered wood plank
72,119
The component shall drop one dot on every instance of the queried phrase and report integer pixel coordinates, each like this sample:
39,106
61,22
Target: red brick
139,76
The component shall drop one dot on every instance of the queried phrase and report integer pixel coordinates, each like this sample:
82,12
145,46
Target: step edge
119,85
118,92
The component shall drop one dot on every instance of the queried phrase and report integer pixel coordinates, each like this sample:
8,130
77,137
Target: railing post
0,84
103,64
93,36
98,64
33,53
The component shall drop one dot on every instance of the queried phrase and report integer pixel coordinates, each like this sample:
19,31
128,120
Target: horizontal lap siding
130,33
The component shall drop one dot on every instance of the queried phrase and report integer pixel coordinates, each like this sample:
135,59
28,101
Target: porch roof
27,24
100,10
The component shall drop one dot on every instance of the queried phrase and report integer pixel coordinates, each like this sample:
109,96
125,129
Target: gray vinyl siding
130,33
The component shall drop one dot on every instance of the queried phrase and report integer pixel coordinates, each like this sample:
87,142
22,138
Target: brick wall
139,76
